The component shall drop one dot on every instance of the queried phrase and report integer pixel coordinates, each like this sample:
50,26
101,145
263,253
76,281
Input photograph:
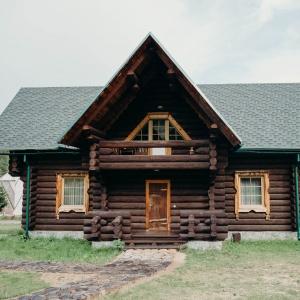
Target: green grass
11,229
249,270
14,247
13,284
14,218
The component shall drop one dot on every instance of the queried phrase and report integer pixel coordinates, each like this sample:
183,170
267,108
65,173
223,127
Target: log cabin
154,159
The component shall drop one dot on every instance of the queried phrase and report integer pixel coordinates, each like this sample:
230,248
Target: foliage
249,270
13,284
3,165
118,244
3,200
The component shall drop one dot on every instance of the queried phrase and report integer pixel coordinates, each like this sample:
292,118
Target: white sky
74,42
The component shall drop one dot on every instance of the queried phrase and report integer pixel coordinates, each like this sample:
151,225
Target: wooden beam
90,130
153,165
153,144
132,78
154,158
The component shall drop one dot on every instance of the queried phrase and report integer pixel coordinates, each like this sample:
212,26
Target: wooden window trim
160,116
265,206
168,182
60,207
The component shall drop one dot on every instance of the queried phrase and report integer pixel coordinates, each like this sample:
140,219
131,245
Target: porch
185,225
135,155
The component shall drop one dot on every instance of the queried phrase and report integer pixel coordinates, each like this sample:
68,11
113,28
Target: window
72,192
252,192
158,127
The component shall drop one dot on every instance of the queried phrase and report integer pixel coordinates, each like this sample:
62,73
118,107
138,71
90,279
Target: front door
158,204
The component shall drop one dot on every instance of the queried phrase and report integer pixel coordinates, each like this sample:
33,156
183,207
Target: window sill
74,208
246,209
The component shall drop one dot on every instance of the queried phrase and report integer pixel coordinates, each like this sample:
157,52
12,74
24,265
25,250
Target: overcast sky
74,42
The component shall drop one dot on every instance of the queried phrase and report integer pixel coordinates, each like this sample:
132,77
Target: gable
128,83
157,97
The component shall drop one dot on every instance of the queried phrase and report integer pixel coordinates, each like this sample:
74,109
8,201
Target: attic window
252,192
158,127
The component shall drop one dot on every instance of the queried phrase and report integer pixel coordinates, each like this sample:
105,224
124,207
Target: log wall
126,191
43,192
281,194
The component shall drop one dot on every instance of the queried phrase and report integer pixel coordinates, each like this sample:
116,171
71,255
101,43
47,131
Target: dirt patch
59,279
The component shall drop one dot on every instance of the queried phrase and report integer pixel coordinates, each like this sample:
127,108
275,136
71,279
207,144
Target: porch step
148,239
153,247
155,235
154,241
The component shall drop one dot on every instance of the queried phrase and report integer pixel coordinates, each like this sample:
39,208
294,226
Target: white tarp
13,187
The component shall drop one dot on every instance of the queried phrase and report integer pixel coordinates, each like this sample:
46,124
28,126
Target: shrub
3,201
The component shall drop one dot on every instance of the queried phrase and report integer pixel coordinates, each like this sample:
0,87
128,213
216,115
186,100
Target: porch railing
194,154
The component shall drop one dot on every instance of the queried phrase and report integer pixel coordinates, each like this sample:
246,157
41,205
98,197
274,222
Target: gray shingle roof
37,117
265,116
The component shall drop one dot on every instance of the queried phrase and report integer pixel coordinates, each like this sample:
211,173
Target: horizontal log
59,227
259,227
153,165
154,144
122,205
110,214
154,158
44,221
49,215
91,236
260,222
204,236
251,215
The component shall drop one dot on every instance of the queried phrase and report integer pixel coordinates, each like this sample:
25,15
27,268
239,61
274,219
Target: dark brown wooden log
147,158
157,144
154,165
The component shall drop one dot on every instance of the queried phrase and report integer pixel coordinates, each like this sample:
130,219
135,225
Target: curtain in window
74,191
251,191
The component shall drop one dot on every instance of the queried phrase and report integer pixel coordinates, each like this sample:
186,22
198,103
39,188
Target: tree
3,164
3,201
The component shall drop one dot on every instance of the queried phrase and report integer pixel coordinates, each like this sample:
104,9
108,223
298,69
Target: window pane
158,130
251,191
73,191
174,135
143,134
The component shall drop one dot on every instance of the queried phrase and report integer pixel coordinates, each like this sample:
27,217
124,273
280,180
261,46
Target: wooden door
158,204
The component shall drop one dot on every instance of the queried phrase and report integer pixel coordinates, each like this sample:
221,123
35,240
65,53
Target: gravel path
128,267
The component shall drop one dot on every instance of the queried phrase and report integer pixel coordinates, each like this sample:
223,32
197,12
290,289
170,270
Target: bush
3,201
118,244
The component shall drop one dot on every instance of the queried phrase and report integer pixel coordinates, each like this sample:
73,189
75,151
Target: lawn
19,283
250,270
9,228
15,247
